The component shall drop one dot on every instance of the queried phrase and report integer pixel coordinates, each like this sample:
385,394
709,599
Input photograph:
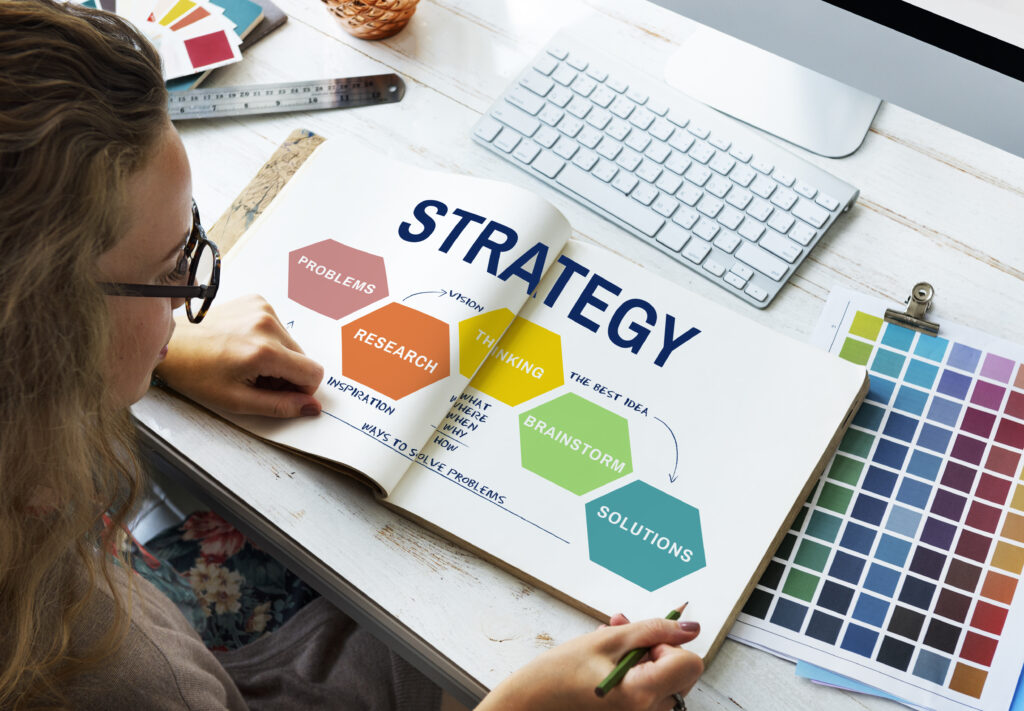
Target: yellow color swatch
179,9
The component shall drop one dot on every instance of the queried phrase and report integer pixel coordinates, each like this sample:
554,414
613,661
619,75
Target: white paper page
698,460
395,303
904,573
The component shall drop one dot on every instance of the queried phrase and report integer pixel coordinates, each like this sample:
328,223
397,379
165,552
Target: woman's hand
242,360
563,679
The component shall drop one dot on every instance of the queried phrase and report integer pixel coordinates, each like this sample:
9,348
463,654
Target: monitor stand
772,93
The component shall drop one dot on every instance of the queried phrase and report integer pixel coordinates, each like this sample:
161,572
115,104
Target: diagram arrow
675,465
440,293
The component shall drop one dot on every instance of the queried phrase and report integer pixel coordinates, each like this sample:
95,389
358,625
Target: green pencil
630,659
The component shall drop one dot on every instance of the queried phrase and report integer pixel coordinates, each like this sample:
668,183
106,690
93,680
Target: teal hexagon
574,443
645,535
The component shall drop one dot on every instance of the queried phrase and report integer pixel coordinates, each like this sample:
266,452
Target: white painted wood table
935,205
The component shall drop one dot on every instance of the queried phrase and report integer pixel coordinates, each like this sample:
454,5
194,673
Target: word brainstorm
630,324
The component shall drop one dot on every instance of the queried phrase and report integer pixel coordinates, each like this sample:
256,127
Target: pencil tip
683,606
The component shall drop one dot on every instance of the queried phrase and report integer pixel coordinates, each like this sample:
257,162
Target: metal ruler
341,93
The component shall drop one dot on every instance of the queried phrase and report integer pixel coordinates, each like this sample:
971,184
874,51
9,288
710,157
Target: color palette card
903,569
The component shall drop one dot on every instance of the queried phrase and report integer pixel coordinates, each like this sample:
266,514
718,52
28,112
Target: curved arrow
673,476
439,293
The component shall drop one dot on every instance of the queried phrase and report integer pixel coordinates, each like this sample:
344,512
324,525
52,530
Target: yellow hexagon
525,363
477,335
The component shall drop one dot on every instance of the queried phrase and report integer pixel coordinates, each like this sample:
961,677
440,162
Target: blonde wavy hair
82,105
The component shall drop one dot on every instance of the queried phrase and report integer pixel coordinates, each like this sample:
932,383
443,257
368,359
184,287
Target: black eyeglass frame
194,245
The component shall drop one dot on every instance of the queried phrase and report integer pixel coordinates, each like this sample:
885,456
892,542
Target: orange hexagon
395,350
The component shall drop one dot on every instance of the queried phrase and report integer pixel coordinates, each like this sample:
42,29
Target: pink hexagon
334,279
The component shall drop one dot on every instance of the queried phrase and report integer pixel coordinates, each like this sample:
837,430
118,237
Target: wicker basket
372,19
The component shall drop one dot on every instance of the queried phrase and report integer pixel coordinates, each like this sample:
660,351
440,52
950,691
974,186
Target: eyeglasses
200,261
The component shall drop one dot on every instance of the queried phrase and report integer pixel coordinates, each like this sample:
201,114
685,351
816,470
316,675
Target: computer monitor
958,62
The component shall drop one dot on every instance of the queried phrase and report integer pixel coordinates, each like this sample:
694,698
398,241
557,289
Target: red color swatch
1003,461
208,49
1015,405
989,617
978,649
1010,433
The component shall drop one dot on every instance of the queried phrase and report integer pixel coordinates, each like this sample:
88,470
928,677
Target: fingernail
689,626
309,410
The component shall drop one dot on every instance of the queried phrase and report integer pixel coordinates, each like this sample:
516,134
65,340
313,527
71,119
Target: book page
632,446
371,265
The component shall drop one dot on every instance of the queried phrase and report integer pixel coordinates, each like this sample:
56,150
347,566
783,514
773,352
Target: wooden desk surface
935,205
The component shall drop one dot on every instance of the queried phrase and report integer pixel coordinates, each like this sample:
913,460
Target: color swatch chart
903,567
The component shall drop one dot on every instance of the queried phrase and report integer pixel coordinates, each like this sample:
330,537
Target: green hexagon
574,443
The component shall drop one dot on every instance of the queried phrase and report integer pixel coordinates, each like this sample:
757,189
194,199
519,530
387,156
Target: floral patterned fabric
230,590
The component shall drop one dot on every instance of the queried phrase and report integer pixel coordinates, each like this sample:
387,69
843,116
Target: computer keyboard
706,191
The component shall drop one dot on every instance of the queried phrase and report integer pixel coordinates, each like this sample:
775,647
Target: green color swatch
824,526
812,555
845,470
866,326
800,584
856,351
835,498
856,442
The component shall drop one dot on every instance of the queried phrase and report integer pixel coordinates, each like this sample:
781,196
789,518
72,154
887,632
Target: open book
624,443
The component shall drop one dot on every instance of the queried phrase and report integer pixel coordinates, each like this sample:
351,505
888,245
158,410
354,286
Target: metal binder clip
918,304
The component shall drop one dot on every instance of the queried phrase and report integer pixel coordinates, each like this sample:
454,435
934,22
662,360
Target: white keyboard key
537,83
698,174
558,52
487,128
579,107
669,182
802,233
689,194
583,85
618,129
827,201
714,267
809,212
546,136
781,246
617,85
756,292
597,73
673,237
784,178
507,140
570,126
698,130
762,186
564,75
722,163
705,229
560,96
763,166
603,96
742,175
638,140
550,114
527,101
760,260
677,118
727,241
514,118
577,62
741,155
739,198
605,170
648,171
681,141
677,163
720,142
730,217
751,229
734,279
548,164
661,129
784,198
657,107
624,181
546,64
526,151
696,250
701,152
710,206
808,191
585,159
718,186
644,194
599,118
781,222
589,136
759,209
686,217
657,151
642,118
609,148
665,205
637,96
628,159
566,148
611,200
742,271
622,107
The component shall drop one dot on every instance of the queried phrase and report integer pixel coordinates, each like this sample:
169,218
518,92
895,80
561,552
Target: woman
95,199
